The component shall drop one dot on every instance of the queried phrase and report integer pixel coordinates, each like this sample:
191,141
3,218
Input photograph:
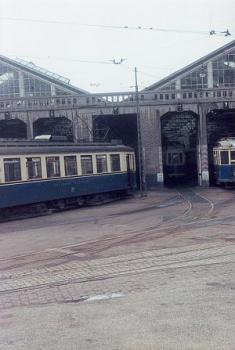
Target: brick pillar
203,167
160,175
149,130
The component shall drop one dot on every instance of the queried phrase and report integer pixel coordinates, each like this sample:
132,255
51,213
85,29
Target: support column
160,175
203,166
29,124
149,128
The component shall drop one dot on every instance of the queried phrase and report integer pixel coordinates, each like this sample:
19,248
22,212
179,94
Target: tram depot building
192,108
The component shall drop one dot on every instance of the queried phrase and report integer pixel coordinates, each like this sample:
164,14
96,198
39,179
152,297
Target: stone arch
59,126
220,123
181,129
13,129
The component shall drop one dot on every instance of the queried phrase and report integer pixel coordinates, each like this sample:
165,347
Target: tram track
112,267
81,269
102,244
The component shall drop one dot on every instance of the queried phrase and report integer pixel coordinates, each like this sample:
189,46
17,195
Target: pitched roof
42,73
191,66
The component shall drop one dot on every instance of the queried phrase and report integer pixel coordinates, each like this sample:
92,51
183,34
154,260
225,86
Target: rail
119,99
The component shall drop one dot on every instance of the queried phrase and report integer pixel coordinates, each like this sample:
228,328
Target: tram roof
32,147
226,143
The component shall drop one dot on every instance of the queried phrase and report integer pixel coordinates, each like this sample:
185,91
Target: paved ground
152,273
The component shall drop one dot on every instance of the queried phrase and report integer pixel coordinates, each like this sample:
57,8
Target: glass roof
44,71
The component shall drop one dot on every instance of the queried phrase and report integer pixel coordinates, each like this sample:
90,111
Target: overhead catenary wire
223,32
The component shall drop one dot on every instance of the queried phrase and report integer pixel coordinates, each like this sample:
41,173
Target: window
232,157
175,158
101,163
215,157
132,159
53,166
12,169
115,162
70,165
86,164
224,157
34,168
130,162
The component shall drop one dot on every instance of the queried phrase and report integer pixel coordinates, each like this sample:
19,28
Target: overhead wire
225,32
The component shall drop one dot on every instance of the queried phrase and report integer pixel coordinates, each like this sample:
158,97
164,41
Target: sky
79,39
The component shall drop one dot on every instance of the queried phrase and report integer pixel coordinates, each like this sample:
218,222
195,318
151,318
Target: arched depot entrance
220,124
13,129
59,126
120,127
180,147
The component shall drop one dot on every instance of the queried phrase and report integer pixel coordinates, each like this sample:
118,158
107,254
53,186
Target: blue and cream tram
174,162
224,161
61,173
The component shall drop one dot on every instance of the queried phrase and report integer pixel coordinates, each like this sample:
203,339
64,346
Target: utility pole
140,147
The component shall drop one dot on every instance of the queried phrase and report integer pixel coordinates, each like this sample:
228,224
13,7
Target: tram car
58,174
175,162
224,161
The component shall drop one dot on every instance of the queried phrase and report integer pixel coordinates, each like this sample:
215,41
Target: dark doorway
220,124
179,147
59,126
117,127
122,127
13,129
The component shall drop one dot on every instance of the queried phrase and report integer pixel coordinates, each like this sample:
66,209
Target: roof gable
170,79
42,74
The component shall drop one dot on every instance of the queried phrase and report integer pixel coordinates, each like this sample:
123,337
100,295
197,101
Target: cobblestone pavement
69,281
168,246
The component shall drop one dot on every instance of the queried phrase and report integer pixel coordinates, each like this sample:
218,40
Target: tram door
130,168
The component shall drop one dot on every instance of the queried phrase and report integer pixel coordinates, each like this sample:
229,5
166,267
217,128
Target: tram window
132,161
115,162
130,164
224,157
215,157
53,166
12,169
70,165
175,158
86,164
218,157
34,168
233,157
101,163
